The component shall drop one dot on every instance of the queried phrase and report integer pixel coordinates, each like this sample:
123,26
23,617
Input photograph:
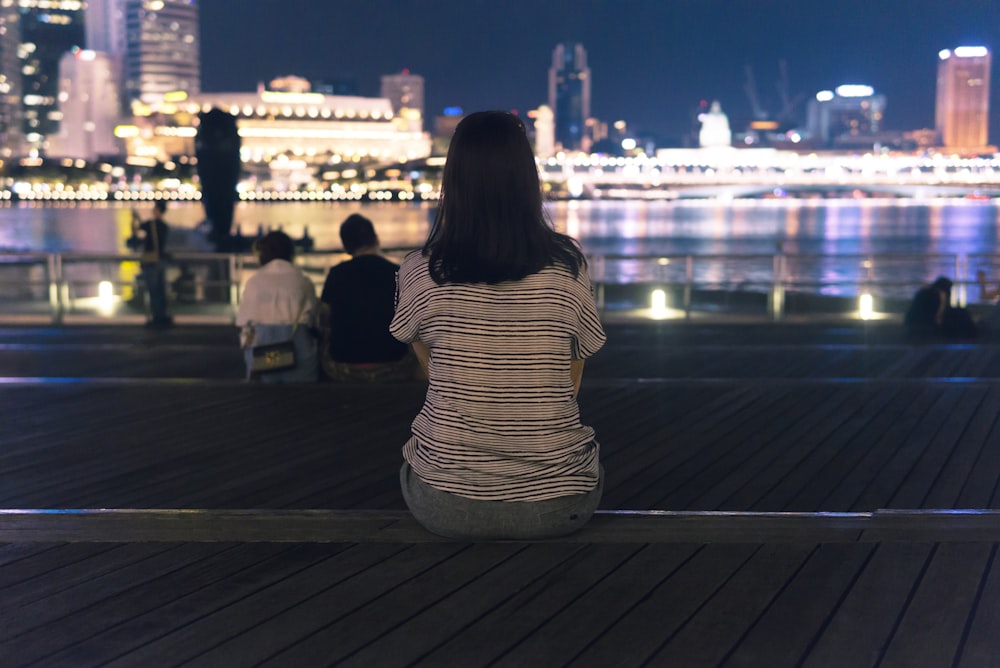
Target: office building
406,93
963,99
162,53
11,128
850,116
545,132
569,95
90,103
47,31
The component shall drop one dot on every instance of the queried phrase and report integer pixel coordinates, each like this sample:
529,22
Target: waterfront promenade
813,483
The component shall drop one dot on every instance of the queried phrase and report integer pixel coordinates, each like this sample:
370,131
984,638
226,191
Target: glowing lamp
866,306
971,52
658,303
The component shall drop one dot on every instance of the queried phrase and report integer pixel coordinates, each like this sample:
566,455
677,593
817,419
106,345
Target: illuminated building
11,129
90,103
105,26
963,99
161,48
444,128
848,116
545,132
406,93
569,95
278,129
48,29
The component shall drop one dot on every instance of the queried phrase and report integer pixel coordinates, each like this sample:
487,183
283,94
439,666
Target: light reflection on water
814,231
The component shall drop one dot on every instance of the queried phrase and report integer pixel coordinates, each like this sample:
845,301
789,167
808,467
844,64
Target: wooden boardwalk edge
377,526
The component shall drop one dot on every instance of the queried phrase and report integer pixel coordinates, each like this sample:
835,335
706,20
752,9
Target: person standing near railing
150,238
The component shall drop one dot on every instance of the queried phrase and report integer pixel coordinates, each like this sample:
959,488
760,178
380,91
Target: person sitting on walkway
499,308
279,304
931,314
358,299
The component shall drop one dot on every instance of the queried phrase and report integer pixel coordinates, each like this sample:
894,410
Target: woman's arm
423,354
576,374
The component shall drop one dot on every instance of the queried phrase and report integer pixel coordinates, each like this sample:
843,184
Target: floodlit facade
47,30
279,128
569,95
90,103
963,99
162,53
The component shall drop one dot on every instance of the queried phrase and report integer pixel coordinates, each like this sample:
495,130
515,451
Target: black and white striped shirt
500,421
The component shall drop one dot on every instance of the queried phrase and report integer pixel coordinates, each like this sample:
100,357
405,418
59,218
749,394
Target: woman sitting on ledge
499,309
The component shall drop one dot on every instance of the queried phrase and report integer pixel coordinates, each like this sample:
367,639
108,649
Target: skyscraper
161,48
406,92
11,130
963,98
48,30
569,94
90,106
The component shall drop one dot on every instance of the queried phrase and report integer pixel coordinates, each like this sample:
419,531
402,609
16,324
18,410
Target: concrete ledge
378,526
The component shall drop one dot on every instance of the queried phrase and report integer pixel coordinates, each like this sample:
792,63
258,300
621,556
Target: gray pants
462,518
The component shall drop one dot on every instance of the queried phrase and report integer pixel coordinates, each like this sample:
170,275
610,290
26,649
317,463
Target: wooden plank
313,617
380,615
84,570
548,621
813,459
695,449
926,471
45,562
855,490
957,474
769,463
665,605
979,648
683,487
863,623
932,625
709,634
783,635
539,568
139,593
892,472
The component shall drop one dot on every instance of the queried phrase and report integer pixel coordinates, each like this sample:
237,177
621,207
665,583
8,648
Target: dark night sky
651,60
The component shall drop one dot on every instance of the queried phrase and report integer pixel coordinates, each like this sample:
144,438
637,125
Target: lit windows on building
47,29
963,98
848,116
569,95
161,48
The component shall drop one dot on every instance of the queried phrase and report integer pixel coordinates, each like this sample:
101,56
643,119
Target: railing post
54,262
961,277
235,280
778,287
688,281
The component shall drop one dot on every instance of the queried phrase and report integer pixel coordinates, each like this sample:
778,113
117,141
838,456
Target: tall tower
963,98
406,92
48,30
11,129
161,48
569,94
90,105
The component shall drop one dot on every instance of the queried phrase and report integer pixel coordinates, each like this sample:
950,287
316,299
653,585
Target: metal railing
205,287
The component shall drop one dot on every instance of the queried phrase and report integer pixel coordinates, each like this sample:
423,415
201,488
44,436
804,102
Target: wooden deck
826,497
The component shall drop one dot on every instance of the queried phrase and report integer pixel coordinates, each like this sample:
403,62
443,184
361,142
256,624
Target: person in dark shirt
359,296
150,238
930,313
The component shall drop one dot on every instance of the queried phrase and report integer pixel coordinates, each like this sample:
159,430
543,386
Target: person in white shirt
279,303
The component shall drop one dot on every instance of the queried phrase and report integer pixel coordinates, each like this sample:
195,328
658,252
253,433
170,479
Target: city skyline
651,62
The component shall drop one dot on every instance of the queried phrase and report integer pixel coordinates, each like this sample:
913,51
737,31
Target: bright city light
866,306
658,304
855,90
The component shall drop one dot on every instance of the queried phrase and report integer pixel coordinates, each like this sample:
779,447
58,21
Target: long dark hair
490,226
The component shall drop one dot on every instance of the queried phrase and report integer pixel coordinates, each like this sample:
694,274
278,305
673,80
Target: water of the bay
823,238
